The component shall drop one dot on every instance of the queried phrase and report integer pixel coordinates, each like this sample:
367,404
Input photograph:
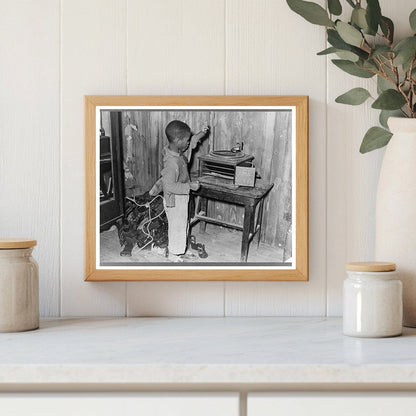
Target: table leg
259,221
249,212
203,206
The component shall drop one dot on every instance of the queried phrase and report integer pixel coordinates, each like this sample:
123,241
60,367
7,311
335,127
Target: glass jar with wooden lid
19,286
372,300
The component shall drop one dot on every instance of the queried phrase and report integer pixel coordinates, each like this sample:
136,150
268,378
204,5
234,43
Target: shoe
174,258
192,242
189,255
159,250
201,251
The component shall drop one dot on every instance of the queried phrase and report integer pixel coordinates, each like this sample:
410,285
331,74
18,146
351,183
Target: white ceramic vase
396,210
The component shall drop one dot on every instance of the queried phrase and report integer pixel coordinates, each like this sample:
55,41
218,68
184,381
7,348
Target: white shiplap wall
55,52
29,138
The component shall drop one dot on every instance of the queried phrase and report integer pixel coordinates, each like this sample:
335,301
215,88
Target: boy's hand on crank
195,139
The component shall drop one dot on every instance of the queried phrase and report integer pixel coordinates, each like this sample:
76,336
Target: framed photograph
196,188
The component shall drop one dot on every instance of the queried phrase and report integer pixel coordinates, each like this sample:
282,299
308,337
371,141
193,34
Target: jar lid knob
11,243
371,266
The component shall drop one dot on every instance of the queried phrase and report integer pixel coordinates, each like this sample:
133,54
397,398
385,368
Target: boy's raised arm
195,139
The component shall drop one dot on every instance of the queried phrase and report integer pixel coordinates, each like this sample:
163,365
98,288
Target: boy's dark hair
177,130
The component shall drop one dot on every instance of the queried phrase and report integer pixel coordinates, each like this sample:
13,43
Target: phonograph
231,168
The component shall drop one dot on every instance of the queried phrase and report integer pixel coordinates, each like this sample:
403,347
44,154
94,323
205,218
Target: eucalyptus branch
366,43
411,82
395,71
382,35
392,67
368,34
380,63
384,73
362,47
406,97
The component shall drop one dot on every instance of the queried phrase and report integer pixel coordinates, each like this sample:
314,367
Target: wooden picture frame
249,116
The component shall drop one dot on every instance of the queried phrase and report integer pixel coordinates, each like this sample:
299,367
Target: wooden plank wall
149,140
265,135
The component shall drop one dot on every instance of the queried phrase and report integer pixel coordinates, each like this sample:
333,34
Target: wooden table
212,188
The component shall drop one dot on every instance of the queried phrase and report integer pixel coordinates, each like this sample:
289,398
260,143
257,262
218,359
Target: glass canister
19,286
372,300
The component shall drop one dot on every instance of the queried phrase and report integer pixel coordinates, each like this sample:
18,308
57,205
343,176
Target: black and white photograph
195,187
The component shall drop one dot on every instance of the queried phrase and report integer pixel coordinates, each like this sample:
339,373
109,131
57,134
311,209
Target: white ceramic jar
19,286
372,300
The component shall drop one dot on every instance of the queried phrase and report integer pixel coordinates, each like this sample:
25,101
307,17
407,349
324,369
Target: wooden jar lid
11,243
371,266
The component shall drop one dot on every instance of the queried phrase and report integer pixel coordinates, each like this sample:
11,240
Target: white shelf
200,352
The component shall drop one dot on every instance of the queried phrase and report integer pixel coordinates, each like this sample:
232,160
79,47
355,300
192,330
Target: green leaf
383,84
386,114
358,18
389,100
347,55
335,40
356,96
412,20
373,15
381,50
334,7
350,56
311,12
387,27
405,43
352,68
328,51
349,34
370,64
405,50
375,138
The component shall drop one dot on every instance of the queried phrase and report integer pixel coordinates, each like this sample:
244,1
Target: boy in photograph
177,184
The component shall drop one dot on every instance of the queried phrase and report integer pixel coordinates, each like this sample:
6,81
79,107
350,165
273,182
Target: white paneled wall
29,138
93,61
55,52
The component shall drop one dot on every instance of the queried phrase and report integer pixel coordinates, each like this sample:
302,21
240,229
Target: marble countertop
204,351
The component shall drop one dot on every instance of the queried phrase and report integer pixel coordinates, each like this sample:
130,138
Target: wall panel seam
126,3
60,164
225,48
326,183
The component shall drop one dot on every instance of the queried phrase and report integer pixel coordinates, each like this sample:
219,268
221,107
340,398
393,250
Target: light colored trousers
177,224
